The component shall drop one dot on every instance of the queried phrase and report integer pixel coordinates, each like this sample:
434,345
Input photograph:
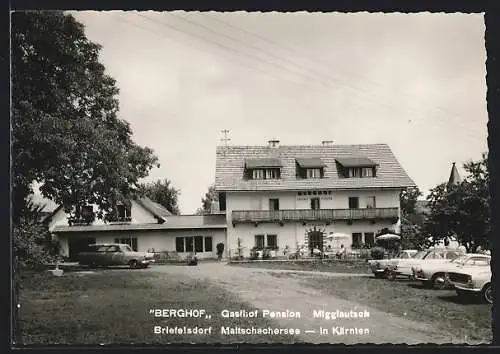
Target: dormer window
313,173
310,168
266,168
357,167
84,215
123,212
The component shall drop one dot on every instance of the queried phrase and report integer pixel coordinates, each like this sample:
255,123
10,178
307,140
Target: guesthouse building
284,197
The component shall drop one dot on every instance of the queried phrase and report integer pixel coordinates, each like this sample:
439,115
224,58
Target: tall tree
211,197
66,132
412,235
162,192
462,209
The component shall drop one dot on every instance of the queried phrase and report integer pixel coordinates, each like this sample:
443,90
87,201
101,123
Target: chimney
274,143
327,142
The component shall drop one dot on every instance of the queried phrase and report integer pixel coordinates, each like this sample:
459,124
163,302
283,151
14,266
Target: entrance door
315,240
77,245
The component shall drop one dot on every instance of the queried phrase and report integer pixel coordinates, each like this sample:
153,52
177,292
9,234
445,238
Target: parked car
473,281
434,273
403,267
380,267
114,254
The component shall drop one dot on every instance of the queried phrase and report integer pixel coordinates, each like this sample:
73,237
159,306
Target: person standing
220,251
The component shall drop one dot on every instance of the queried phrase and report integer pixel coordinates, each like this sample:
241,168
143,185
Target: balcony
305,215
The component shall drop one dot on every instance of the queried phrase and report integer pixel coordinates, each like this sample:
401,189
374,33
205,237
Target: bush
364,254
377,253
253,253
266,254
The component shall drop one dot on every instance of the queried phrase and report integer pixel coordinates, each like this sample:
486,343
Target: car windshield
420,254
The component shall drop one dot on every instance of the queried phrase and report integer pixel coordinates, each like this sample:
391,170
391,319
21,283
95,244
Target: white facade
292,234
148,234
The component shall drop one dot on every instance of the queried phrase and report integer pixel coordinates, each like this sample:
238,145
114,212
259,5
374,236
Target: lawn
469,320
325,266
113,307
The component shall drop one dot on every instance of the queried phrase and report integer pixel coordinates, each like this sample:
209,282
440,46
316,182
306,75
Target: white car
473,281
434,272
404,267
379,267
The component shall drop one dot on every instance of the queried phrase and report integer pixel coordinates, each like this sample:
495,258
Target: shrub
253,253
364,254
266,254
377,252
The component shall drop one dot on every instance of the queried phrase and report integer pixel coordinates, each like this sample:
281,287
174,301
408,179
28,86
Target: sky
413,81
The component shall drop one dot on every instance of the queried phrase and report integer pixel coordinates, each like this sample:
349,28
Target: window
369,239
123,212
258,174
357,172
179,244
356,239
272,173
367,172
266,173
274,204
314,203
353,202
314,173
131,241
113,249
370,202
259,241
208,243
198,243
272,241
189,244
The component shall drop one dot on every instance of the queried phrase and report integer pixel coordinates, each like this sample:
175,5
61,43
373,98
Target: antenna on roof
225,139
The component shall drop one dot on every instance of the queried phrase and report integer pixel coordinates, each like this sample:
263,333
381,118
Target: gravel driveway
264,289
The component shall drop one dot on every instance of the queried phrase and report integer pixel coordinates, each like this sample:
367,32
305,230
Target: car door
118,256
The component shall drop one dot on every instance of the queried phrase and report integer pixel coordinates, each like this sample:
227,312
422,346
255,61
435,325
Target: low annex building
142,224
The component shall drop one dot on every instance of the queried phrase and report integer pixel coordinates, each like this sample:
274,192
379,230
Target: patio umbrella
388,237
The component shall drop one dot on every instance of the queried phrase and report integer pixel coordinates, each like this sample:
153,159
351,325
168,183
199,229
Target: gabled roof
355,162
261,163
310,162
230,165
157,210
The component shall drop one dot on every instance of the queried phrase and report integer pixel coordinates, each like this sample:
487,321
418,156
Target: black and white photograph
249,177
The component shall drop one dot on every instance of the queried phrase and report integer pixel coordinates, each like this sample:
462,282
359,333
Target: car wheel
133,264
487,294
439,282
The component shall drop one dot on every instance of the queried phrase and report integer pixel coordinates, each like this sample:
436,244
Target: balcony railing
304,215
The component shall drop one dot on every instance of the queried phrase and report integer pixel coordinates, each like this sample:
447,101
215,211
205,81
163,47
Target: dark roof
355,162
175,222
454,176
230,164
310,162
261,163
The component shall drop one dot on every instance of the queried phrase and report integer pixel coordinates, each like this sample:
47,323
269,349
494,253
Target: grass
468,319
325,266
112,307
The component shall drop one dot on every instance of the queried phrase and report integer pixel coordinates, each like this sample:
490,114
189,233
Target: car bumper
464,288
147,261
421,278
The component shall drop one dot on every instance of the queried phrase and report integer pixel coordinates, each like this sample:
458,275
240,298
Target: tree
462,209
206,203
66,132
412,235
162,192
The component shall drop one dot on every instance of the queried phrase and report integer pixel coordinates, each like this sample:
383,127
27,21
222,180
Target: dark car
114,254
